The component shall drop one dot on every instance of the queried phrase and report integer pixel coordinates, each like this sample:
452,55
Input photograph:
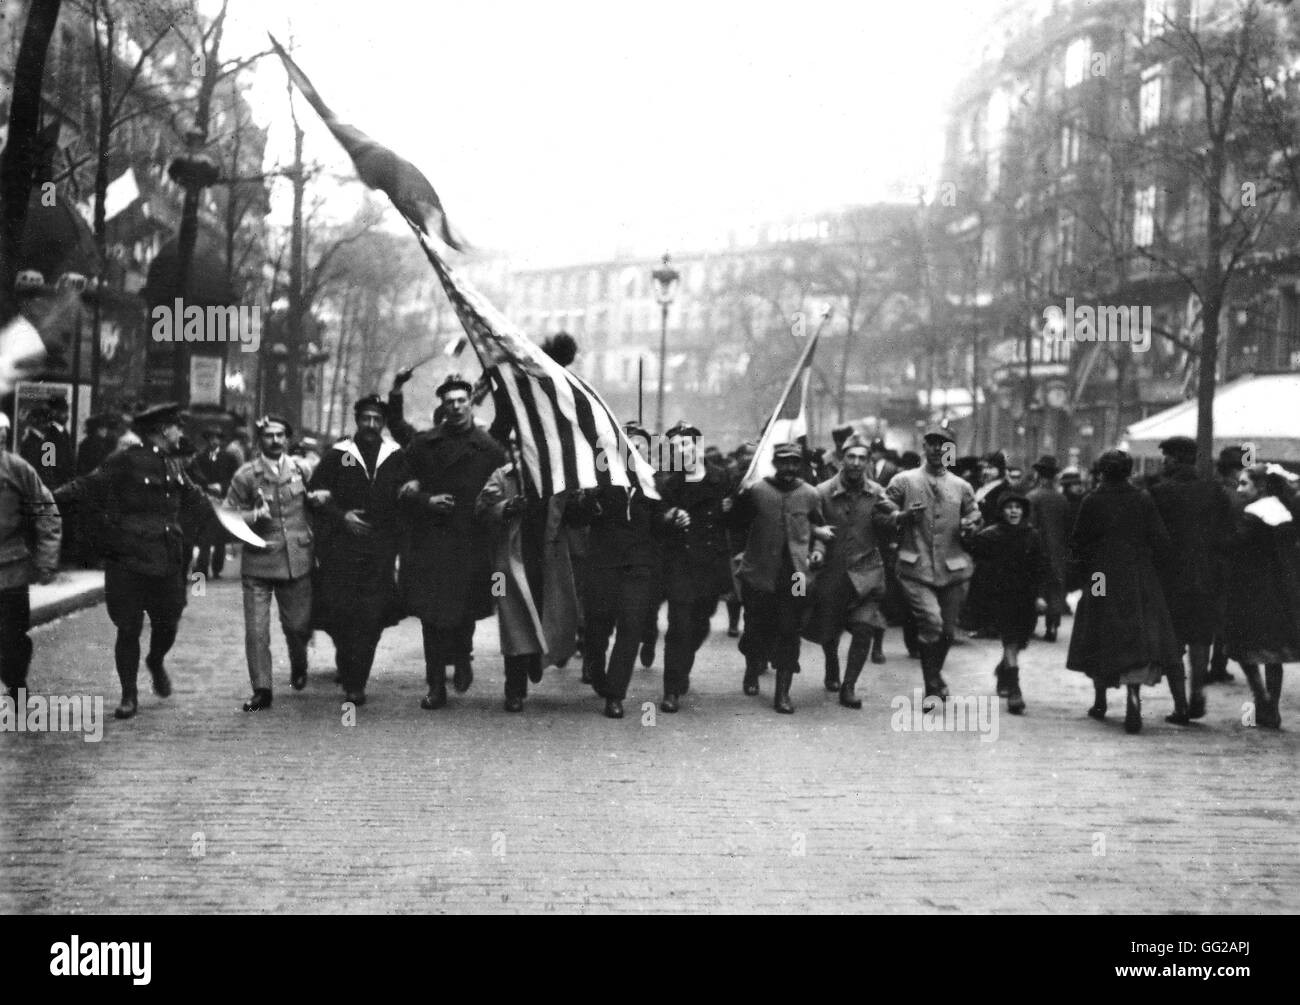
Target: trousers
293,598
128,597
617,603
772,625
15,643
688,627
936,608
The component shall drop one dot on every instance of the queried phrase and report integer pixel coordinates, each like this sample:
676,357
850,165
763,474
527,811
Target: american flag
568,437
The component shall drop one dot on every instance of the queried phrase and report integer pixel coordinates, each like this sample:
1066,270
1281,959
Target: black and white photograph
593,458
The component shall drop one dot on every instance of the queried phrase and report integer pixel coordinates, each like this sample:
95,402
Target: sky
572,130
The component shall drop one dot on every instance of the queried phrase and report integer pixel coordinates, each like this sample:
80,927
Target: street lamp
665,279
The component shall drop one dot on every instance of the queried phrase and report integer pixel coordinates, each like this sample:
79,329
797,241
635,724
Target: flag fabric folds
568,437
22,350
377,166
789,420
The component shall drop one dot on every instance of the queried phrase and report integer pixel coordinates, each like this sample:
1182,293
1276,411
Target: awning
56,239
206,285
1261,410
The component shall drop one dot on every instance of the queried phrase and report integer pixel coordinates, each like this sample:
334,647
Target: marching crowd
443,525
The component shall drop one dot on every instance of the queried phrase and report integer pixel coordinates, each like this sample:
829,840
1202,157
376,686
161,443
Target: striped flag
790,419
378,166
568,437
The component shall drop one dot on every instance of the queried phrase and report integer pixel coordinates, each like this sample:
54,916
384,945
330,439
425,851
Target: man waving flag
568,437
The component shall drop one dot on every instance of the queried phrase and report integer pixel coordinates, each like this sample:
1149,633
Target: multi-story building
1075,168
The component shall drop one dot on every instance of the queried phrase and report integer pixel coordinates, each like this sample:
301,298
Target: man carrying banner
780,512
353,595
446,569
933,568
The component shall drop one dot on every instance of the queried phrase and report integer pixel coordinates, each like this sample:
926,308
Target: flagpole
789,387
640,388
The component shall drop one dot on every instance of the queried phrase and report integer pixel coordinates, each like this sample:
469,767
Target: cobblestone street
195,806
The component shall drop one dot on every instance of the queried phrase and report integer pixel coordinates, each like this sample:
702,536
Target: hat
631,429
839,434
787,450
1230,459
272,420
996,459
454,382
1047,465
1071,476
146,417
877,446
1181,448
1013,497
371,403
853,442
939,433
683,428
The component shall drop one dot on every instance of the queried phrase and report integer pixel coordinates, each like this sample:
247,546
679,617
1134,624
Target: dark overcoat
1263,585
354,573
446,567
1198,515
1015,568
696,559
1122,625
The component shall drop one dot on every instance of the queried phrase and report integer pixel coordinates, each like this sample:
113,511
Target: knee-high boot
857,659
832,653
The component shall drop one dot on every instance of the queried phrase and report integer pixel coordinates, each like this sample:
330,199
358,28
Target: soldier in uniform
141,491
850,591
446,568
271,495
696,558
934,570
354,596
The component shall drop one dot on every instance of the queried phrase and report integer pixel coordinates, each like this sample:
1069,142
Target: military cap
371,403
156,416
631,429
683,428
787,450
454,382
939,433
273,420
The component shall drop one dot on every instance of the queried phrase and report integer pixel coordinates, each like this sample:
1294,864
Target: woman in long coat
1263,587
537,604
1122,631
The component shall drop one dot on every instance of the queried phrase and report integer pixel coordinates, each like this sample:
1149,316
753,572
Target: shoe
733,633
298,679
127,708
669,704
463,676
1049,635
162,684
1015,700
535,671
647,654
261,699
613,708
514,704
1003,688
358,698
878,646
751,678
1219,677
436,698
848,699
877,655
1196,706
1178,719
913,653
1133,720
1097,712
1268,718
832,684
781,700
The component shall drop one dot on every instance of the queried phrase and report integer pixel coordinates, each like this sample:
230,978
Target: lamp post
193,171
665,280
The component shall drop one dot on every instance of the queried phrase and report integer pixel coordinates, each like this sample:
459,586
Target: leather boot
261,699
463,674
1049,630
832,655
129,704
851,673
930,664
162,684
781,702
1178,688
878,645
1133,710
941,654
1015,700
1273,681
752,670
999,674
437,696
1198,656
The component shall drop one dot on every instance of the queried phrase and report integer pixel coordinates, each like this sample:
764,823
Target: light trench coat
552,629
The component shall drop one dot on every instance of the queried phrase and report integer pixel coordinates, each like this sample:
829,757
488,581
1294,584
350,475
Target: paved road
195,806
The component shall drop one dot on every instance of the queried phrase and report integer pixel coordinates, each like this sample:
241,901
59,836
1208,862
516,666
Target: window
1066,228
1070,140
1149,99
1144,216
1077,57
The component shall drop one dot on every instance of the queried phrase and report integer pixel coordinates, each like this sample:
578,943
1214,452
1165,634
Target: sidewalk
72,591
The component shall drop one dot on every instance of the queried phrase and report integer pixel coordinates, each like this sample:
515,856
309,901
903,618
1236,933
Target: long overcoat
1198,515
1122,630
530,623
446,567
1263,585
